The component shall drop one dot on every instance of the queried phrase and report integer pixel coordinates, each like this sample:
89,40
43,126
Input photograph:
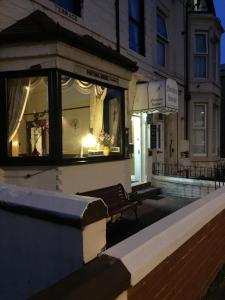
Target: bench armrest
133,197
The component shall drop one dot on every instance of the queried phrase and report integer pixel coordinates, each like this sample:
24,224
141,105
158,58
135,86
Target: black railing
215,173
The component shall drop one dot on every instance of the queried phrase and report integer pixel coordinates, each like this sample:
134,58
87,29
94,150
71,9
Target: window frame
201,54
55,156
205,128
140,24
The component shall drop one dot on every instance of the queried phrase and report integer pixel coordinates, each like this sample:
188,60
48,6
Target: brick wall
188,272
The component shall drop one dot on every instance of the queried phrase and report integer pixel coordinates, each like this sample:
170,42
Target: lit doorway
139,140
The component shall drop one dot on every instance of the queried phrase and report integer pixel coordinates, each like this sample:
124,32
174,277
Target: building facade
94,92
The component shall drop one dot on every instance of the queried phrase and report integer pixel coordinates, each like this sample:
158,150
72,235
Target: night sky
220,12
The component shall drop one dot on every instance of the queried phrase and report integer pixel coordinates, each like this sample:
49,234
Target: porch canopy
156,96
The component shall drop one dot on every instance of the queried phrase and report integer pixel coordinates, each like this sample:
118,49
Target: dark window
162,40
201,55
73,6
136,26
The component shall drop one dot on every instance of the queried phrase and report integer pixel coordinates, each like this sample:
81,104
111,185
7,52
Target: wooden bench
116,199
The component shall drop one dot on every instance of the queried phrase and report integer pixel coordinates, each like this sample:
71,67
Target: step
141,186
147,193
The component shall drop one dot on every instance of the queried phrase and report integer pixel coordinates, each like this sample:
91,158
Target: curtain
96,109
114,110
18,92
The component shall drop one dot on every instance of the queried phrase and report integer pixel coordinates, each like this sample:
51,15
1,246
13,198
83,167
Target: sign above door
157,96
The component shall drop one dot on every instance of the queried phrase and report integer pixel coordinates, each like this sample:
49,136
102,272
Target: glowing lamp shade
89,141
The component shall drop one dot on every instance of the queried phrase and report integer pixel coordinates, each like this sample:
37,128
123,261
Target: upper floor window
73,6
201,55
214,53
136,26
162,40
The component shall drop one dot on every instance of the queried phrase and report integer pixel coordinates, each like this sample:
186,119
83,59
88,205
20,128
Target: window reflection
91,119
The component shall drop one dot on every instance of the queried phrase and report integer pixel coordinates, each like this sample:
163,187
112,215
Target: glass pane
91,119
161,26
135,9
199,142
200,43
199,116
73,6
160,53
200,66
214,129
28,118
134,37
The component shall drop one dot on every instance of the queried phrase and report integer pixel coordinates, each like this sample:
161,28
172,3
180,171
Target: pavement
149,212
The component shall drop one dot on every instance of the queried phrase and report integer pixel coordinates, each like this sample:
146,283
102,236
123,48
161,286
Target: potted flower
106,140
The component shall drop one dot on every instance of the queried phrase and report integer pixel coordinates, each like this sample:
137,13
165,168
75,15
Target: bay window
27,116
90,118
201,55
200,130
57,117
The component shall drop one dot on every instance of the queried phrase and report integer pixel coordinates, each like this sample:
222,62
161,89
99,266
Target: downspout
117,25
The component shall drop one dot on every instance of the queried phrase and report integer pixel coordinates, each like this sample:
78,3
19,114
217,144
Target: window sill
92,160
46,161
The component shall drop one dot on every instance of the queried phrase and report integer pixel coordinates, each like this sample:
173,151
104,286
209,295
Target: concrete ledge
77,211
103,278
45,236
143,251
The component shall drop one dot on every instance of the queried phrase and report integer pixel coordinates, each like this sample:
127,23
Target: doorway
139,145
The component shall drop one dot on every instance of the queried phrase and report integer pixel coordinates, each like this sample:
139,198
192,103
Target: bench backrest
111,195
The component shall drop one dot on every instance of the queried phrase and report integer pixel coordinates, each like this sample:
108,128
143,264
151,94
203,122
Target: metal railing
215,173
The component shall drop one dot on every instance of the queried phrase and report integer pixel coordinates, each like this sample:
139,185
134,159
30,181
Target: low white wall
183,187
81,178
70,179
45,178
143,251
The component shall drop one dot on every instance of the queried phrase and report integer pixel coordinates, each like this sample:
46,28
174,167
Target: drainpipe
117,25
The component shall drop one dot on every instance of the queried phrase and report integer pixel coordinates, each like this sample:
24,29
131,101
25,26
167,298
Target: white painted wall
81,178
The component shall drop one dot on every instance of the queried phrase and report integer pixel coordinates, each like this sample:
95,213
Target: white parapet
143,251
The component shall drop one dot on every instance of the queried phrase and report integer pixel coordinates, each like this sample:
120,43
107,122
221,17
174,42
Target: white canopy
159,96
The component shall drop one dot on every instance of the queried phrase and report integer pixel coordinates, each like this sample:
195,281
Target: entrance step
149,193
139,187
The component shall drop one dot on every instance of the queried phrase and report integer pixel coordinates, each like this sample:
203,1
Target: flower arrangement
105,139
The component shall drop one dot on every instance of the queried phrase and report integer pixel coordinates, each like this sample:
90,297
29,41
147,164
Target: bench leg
135,212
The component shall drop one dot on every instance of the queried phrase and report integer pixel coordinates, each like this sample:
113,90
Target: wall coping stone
73,210
143,251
